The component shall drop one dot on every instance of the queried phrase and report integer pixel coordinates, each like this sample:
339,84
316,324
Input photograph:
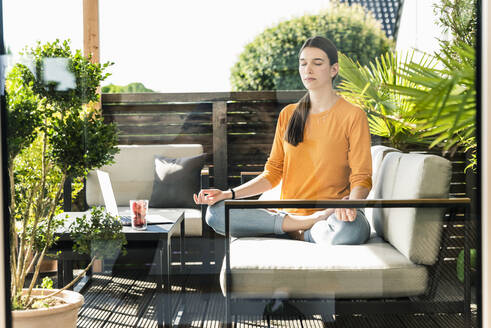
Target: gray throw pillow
176,180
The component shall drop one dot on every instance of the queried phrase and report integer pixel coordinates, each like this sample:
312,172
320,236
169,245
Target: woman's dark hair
296,125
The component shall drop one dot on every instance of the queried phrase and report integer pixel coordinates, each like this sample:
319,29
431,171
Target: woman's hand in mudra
209,196
345,214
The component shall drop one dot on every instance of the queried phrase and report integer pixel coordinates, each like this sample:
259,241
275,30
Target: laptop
112,207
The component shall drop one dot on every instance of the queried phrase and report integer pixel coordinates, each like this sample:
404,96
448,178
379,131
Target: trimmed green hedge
134,87
270,62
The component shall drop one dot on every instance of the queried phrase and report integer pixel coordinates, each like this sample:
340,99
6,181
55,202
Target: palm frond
373,88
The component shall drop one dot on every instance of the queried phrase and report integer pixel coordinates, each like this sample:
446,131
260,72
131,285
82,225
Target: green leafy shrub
53,133
87,77
100,235
270,61
459,18
23,113
134,87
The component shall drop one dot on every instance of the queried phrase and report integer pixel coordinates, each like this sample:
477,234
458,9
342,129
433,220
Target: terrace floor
127,299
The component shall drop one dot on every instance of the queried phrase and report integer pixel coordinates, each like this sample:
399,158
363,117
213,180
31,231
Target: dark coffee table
160,233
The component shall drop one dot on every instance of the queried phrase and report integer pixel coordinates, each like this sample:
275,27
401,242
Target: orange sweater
333,157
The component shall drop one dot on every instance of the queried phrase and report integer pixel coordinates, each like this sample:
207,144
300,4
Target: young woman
321,150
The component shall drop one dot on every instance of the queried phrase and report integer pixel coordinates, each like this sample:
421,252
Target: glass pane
364,112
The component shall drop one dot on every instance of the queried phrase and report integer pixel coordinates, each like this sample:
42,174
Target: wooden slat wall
153,118
251,127
162,123
243,142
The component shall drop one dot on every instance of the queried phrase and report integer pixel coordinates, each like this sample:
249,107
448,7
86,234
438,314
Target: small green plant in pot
53,134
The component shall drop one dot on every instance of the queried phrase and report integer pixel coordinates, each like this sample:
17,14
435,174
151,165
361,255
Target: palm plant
445,97
374,88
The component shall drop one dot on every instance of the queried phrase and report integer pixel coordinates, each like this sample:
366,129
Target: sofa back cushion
176,180
378,154
132,174
415,232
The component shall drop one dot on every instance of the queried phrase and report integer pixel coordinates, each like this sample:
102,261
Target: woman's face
315,69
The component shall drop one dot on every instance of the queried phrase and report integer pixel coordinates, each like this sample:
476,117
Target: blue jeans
261,222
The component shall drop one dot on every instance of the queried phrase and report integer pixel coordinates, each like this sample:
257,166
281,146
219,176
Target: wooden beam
91,37
91,29
220,161
91,47
285,97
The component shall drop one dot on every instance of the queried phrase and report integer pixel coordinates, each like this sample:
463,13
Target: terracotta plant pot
60,316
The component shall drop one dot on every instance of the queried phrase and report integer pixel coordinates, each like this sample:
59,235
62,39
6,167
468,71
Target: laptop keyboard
125,220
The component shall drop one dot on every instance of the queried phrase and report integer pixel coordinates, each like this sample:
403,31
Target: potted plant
53,134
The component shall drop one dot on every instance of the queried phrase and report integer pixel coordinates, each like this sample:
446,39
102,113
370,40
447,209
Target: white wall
417,27
486,164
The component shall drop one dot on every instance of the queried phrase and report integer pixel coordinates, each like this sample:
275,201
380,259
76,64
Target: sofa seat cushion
192,217
272,268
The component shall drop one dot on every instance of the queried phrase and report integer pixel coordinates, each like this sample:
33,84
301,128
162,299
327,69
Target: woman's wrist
228,194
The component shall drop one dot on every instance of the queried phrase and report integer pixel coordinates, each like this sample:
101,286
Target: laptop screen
107,192
110,200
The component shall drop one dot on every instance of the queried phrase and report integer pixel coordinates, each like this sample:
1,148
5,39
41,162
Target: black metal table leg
167,289
182,247
165,303
160,301
67,272
59,282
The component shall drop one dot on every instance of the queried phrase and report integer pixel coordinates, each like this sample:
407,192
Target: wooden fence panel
250,125
164,123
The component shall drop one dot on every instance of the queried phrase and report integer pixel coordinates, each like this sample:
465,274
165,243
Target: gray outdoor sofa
401,262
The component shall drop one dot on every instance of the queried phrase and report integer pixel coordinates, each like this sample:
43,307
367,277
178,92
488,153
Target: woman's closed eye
316,64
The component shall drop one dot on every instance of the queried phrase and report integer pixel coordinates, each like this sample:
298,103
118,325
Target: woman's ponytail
296,125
